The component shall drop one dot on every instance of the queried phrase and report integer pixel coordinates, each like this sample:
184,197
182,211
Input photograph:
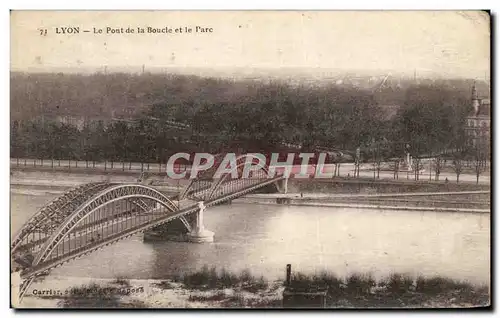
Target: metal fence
62,164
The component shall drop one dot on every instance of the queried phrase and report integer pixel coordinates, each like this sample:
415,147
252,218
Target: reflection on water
264,238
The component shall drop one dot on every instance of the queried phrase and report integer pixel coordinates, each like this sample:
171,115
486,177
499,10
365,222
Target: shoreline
335,200
362,206
159,175
144,293
156,169
208,288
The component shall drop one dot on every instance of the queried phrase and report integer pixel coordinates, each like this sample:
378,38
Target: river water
264,238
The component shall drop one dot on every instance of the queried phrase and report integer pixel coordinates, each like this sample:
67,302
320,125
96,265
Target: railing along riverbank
71,165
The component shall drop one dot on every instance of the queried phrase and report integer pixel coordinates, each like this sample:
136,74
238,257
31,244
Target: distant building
389,111
75,121
78,122
81,122
478,123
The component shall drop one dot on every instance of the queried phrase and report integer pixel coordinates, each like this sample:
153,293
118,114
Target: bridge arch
68,213
57,209
98,201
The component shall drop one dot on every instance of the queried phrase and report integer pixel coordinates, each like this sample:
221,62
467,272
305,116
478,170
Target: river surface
264,238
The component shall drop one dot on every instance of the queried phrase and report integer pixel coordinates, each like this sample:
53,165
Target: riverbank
335,193
60,181
461,201
376,202
210,288
130,169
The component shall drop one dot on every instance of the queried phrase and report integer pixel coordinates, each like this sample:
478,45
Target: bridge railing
68,164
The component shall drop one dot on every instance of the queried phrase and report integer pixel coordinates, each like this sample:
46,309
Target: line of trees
143,141
264,117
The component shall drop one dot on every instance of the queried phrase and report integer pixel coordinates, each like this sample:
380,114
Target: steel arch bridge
95,215
207,185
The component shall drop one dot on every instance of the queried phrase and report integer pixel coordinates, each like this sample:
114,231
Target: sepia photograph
250,159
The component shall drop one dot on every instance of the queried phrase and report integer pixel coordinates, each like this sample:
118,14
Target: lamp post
356,162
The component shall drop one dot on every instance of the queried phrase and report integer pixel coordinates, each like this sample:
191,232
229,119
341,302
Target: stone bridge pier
189,228
282,185
198,233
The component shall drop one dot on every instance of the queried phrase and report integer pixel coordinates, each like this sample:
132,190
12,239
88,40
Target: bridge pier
282,186
189,228
198,233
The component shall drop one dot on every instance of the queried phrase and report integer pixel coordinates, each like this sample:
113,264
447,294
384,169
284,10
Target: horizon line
313,71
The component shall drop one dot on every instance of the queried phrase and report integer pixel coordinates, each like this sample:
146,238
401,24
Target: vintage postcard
250,159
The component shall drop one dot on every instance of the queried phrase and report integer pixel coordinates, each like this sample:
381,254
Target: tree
97,142
438,164
479,155
16,150
377,157
477,166
396,168
431,118
417,166
457,164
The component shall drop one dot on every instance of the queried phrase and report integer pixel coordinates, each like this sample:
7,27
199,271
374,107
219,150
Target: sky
448,43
